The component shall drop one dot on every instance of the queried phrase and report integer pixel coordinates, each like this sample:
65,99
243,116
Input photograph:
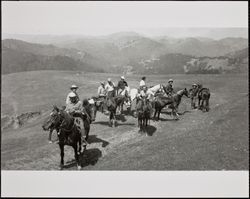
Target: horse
69,133
172,102
204,96
121,98
106,104
47,125
159,88
193,94
110,105
143,113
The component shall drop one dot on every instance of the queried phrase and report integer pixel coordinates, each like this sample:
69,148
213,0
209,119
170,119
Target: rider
110,88
144,94
101,90
75,107
195,90
142,82
73,89
121,85
169,87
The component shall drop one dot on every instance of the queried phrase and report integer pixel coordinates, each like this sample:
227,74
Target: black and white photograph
126,86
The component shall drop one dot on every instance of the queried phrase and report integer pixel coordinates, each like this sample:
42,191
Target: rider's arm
67,100
99,91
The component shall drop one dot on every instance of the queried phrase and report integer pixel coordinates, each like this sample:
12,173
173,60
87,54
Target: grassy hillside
215,140
20,56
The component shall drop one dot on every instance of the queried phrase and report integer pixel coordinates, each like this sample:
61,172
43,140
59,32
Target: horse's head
54,120
91,107
185,92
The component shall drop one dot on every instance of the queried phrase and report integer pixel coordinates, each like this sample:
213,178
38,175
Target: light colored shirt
68,99
142,83
142,93
101,91
109,87
71,107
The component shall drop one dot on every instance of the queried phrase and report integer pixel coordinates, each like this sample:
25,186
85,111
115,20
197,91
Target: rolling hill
20,56
127,52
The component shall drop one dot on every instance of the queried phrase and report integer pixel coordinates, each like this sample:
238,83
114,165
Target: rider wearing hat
74,104
73,89
101,90
169,87
75,108
145,94
194,91
121,85
142,82
110,88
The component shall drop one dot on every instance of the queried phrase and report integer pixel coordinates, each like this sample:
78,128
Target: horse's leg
192,103
110,122
155,114
159,112
87,133
143,123
62,155
207,104
199,103
50,135
79,144
202,104
114,120
140,124
77,157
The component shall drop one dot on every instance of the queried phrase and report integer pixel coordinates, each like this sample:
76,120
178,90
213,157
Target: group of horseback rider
108,89
73,102
74,106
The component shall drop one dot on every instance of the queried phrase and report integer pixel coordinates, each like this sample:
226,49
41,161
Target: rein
68,130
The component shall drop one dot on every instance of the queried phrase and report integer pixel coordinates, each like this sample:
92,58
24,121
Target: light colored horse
133,93
151,91
156,88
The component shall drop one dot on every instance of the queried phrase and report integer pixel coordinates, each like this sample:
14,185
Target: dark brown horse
203,97
47,125
69,133
106,105
143,109
109,105
172,102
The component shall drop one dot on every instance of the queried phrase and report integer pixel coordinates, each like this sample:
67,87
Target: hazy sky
98,18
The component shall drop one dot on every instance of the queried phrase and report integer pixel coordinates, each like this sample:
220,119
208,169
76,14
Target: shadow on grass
89,157
106,123
121,118
150,130
95,139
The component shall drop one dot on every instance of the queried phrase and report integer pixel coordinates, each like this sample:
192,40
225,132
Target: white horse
151,91
156,88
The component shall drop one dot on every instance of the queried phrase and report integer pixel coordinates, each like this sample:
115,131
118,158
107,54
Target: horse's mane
66,115
179,92
85,102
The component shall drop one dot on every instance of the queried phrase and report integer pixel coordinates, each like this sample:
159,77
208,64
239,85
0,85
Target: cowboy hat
73,86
